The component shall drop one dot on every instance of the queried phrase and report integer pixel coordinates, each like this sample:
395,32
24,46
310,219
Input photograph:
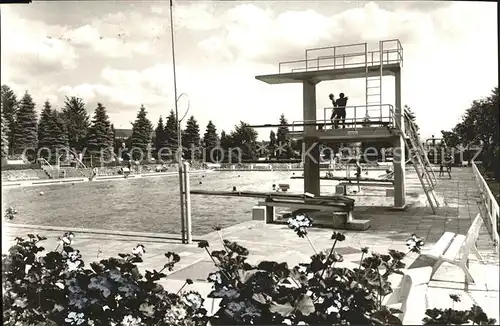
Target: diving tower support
347,62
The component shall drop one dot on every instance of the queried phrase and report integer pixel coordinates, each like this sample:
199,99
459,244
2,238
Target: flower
189,281
216,227
299,223
364,250
75,318
139,250
203,244
73,265
193,300
215,278
414,243
455,297
338,236
130,320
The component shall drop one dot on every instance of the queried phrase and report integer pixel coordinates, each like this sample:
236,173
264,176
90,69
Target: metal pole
179,139
188,203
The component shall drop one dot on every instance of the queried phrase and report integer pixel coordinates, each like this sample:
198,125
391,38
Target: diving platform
373,120
340,62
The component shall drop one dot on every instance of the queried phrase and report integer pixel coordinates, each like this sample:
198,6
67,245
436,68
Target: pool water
148,204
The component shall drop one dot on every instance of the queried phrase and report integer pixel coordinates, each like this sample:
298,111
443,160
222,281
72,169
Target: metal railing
490,203
368,112
350,59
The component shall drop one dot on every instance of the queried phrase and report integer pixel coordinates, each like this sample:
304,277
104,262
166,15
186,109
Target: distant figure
94,173
335,111
441,169
448,161
358,173
341,104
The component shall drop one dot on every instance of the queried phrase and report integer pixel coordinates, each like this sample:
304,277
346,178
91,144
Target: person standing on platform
335,112
341,104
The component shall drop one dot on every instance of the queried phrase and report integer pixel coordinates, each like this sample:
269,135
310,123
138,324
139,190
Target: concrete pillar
399,173
398,109
310,146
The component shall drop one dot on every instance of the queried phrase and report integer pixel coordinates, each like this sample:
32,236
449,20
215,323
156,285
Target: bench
455,249
338,206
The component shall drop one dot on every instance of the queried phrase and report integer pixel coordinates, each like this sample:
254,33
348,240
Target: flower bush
58,289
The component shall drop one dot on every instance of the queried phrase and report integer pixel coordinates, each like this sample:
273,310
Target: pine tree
142,130
245,138
5,138
225,144
159,139
171,132
25,134
191,140
100,134
46,127
211,143
77,122
283,138
9,109
272,143
60,133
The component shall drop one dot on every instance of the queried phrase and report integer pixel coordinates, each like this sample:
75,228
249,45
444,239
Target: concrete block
259,213
389,192
358,225
340,190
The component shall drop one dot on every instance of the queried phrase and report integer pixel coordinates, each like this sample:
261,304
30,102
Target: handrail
46,162
367,109
492,207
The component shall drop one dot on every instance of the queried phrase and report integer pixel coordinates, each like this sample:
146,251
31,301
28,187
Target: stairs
420,161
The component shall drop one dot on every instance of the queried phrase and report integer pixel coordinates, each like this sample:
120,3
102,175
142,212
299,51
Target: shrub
58,289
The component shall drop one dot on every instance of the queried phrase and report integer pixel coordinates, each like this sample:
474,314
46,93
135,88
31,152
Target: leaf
283,309
147,309
262,298
305,305
244,276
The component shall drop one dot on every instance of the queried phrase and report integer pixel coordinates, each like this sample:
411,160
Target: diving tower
372,120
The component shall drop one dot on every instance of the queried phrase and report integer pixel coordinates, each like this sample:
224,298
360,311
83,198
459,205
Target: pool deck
389,229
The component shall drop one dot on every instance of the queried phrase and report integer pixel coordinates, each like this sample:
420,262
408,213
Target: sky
119,53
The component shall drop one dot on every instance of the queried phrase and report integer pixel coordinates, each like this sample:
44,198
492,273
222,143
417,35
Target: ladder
373,85
419,146
418,157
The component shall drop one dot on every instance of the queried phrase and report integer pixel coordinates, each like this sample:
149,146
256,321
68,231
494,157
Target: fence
490,203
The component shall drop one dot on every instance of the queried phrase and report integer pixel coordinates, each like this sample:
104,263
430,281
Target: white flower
75,318
332,309
90,322
60,285
27,268
106,307
130,320
138,250
73,265
193,299
118,297
287,321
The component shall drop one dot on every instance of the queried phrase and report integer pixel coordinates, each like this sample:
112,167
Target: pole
179,139
188,203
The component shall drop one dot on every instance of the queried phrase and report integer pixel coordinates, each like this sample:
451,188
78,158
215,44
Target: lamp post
179,139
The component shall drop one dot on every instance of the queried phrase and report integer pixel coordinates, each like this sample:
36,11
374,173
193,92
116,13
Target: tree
142,130
171,132
160,139
283,139
9,109
5,138
46,127
77,122
272,143
25,134
244,137
191,139
100,134
210,143
225,144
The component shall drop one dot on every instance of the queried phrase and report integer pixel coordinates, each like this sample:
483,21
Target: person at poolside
334,111
358,173
441,169
341,104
